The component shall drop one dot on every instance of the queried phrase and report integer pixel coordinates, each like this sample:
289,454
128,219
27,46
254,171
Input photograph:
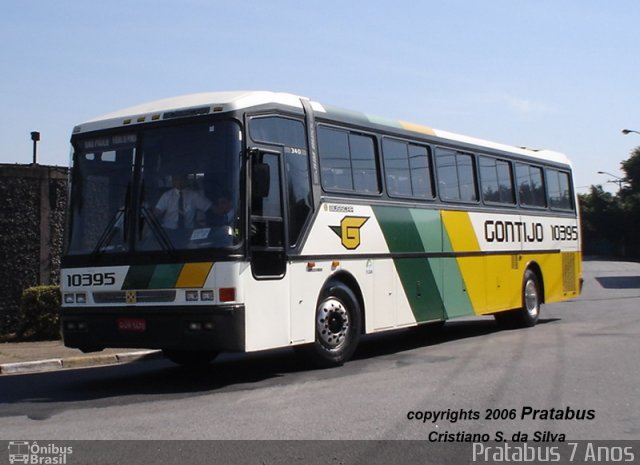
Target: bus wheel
528,314
338,326
190,358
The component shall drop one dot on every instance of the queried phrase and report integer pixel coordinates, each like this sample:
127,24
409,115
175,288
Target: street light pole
629,131
35,137
617,181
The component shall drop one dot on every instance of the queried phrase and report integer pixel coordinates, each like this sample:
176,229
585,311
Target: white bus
244,221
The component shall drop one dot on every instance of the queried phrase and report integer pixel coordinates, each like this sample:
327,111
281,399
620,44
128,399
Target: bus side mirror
260,180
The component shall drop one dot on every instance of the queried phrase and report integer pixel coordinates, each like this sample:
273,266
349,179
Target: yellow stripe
460,231
463,239
194,274
417,128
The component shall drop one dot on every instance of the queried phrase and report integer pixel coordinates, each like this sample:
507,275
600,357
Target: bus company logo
36,454
349,231
131,297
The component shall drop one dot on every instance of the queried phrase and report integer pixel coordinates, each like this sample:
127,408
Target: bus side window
496,181
348,161
333,145
456,176
559,190
530,186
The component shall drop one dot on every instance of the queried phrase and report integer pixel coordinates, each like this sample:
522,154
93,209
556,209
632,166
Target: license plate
137,325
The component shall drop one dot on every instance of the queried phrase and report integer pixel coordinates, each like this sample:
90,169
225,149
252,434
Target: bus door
266,226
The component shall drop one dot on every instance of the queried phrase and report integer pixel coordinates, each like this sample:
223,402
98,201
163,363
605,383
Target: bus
307,226
19,451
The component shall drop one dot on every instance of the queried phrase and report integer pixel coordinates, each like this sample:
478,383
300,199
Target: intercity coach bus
308,226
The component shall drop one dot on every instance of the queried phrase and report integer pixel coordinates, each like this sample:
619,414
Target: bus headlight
206,296
191,296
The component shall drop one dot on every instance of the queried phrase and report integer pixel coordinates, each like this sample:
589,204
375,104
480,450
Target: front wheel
338,325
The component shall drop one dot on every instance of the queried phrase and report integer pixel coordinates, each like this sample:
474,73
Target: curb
78,362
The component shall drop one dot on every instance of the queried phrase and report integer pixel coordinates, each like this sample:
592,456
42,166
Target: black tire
190,358
527,315
338,326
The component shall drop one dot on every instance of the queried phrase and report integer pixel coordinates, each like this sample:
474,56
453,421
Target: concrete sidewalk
32,357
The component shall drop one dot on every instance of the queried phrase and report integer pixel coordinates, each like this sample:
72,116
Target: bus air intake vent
568,272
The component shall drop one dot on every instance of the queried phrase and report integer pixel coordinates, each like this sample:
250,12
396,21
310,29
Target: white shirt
168,205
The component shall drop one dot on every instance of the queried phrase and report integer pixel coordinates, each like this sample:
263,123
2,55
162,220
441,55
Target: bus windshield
157,189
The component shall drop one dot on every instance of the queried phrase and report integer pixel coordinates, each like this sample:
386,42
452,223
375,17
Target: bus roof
219,102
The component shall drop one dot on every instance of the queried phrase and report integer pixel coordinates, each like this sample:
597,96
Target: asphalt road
583,357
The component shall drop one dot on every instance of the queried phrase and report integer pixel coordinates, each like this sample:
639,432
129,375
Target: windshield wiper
154,224
157,229
110,231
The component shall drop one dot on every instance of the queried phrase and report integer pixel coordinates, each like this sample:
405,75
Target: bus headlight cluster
202,296
206,296
77,298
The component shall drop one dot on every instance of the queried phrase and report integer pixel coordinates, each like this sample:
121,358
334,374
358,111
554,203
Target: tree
631,167
600,214
610,224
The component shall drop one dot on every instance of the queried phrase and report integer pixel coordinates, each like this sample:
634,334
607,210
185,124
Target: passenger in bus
178,207
222,211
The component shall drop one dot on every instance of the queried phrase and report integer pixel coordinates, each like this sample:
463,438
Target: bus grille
120,297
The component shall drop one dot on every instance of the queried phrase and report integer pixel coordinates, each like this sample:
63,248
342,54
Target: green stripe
399,229
165,276
138,277
434,287
152,276
416,274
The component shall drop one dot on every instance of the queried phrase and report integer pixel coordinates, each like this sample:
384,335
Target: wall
32,213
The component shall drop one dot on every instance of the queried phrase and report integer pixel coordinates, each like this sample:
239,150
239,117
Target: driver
177,208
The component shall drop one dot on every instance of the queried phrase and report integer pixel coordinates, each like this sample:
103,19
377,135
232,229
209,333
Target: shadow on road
619,282
42,395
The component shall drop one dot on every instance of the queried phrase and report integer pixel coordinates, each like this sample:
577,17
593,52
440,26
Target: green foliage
39,313
600,214
610,223
631,167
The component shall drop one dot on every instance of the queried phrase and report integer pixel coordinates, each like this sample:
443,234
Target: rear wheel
528,314
190,358
338,325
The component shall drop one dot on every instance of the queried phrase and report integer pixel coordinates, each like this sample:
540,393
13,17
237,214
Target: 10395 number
91,279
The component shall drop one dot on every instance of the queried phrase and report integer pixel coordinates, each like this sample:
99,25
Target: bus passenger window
347,161
496,181
407,169
335,163
456,176
363,162
396,167
530,186
559,190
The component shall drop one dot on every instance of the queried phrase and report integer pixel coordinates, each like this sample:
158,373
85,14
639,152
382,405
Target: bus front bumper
91,329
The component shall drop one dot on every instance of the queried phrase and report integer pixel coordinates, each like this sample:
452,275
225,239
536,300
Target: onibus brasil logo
349,231
33,453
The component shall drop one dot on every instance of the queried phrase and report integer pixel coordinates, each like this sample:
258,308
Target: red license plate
137,325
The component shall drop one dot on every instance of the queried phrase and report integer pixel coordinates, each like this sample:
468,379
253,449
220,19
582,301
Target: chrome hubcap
531,302
332,323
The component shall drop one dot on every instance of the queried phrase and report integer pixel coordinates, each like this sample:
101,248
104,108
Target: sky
554,74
